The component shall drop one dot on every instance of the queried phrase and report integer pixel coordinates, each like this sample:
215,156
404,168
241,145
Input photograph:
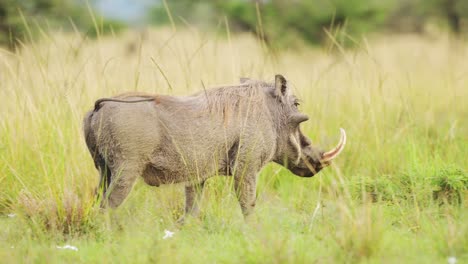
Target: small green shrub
381,188
449,185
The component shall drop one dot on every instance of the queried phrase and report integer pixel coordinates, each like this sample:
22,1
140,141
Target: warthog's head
295,150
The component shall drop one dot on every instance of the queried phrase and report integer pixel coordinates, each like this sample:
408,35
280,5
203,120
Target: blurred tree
16,18
285,21
453,11
452,15
282,20
12,26
414,15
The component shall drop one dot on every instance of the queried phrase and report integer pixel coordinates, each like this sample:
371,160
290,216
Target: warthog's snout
313,160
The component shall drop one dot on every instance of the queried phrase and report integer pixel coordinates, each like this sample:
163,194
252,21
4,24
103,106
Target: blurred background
393,73
280,23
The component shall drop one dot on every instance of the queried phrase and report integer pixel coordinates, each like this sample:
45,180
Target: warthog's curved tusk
298,148
330,155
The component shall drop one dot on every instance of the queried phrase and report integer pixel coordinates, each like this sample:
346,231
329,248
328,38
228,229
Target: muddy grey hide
230,130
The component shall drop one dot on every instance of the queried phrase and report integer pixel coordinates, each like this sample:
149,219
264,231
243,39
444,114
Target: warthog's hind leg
104,181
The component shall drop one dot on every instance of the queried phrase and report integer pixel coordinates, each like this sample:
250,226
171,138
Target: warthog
231,130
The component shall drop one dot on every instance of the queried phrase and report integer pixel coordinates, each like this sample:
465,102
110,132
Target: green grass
398,193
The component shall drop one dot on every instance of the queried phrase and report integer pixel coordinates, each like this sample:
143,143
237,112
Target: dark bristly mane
216,100
226,98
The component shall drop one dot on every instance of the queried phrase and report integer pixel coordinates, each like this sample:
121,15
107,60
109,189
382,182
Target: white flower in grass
68,247
11,215
168,234
452,260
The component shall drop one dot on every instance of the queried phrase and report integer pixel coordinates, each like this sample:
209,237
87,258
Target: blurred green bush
277,22
285,21
22,20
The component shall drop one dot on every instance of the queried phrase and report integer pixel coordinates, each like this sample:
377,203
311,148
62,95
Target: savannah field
398,193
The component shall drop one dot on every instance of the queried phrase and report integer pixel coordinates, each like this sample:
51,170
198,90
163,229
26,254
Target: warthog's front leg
193,195
245,186
192,198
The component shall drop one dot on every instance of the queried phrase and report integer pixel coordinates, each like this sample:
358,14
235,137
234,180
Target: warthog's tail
97,104
89,135
99,161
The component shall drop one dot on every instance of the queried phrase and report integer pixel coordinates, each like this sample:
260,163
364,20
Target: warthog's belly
156,176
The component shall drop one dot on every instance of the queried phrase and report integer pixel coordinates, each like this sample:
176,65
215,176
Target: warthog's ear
281,88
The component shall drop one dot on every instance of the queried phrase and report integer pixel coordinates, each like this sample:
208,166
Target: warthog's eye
296,104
